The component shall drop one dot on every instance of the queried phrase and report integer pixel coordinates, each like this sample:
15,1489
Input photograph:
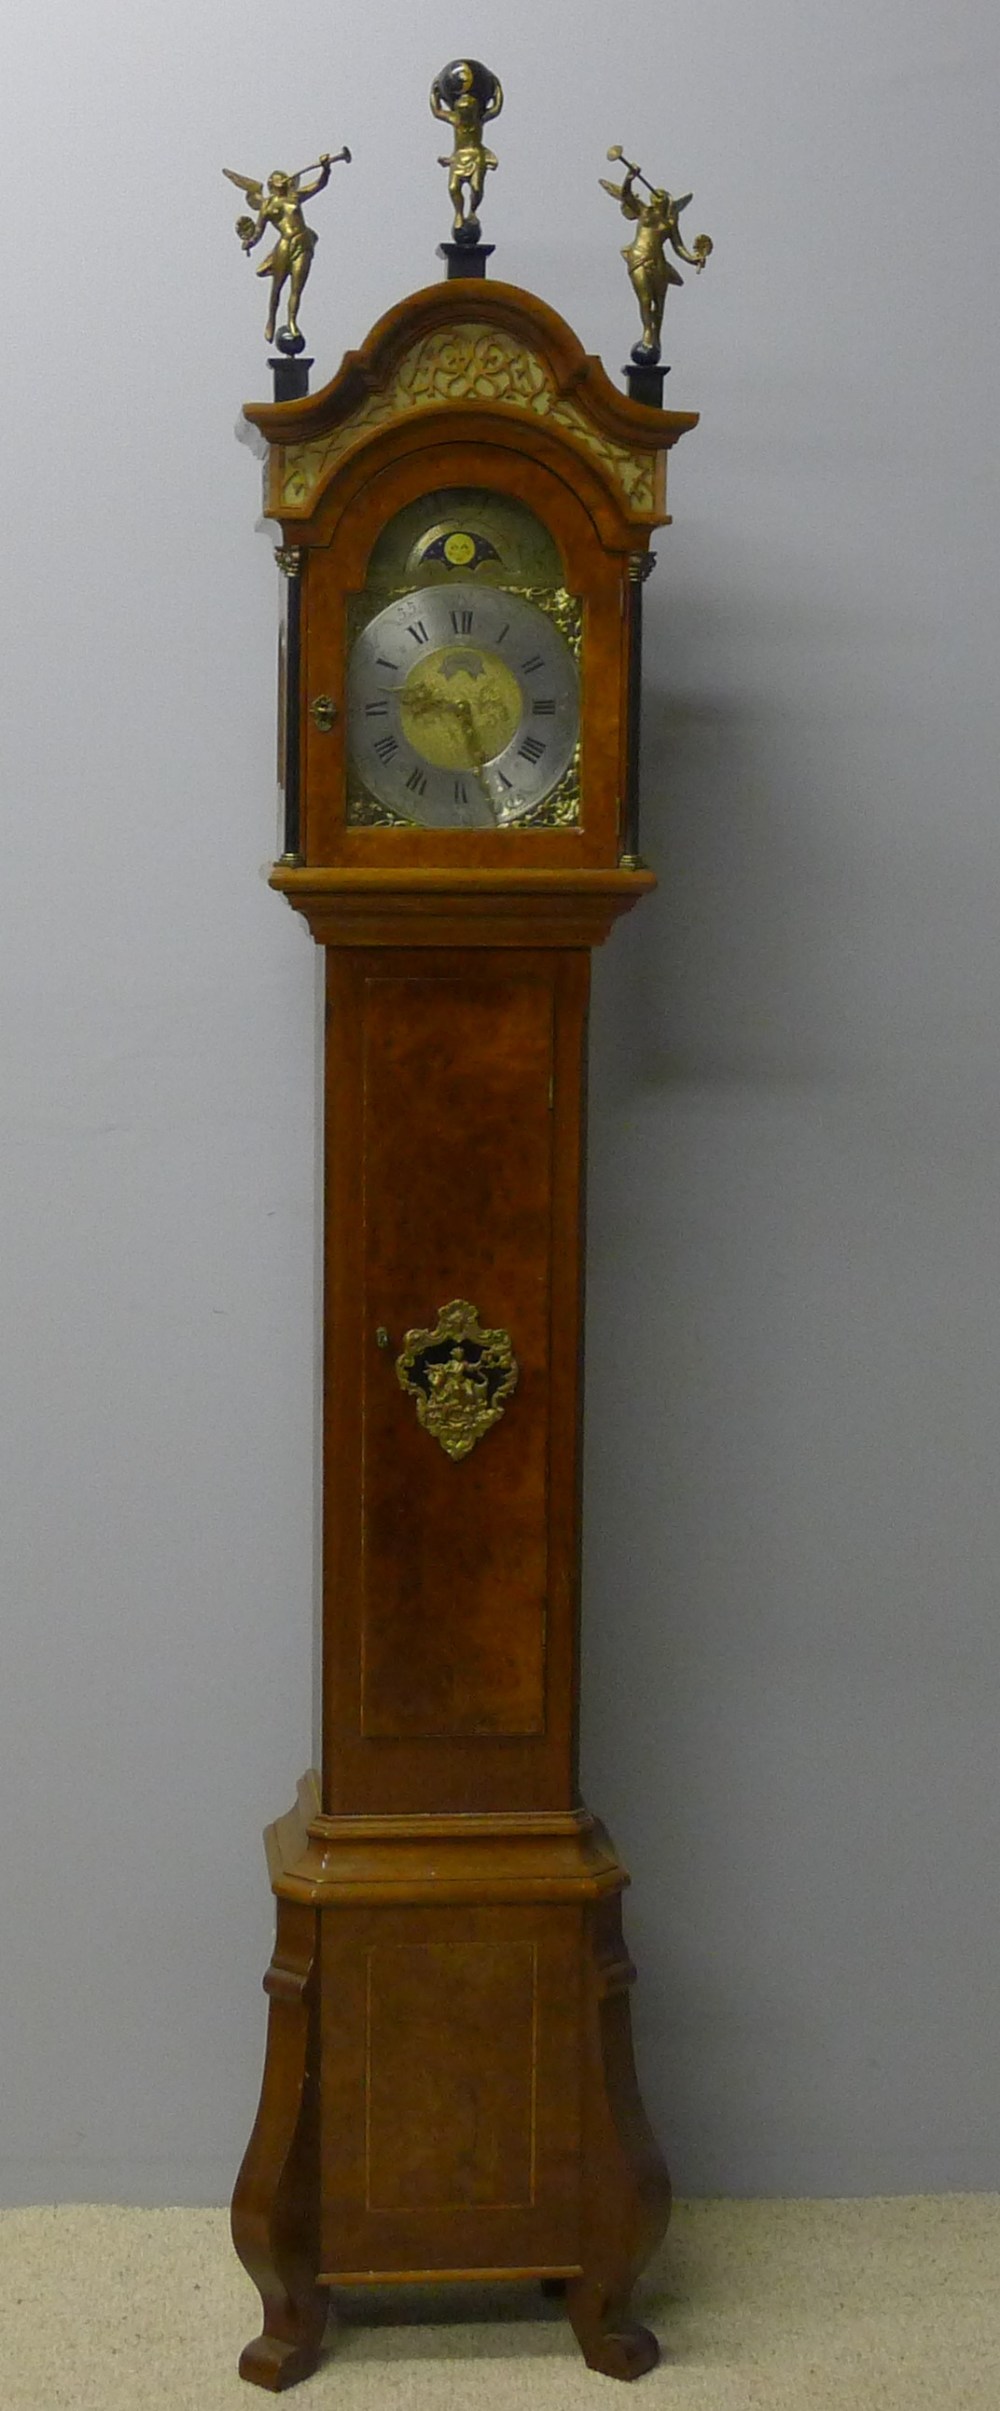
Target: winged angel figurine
650,271
280,205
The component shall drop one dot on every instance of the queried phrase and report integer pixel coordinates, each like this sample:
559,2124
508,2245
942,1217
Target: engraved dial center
460,707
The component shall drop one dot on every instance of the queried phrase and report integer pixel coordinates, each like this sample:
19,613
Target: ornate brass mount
466,95
460,1376
277,204
650,272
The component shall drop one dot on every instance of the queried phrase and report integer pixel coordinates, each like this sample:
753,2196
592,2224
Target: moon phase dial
459,548
463,712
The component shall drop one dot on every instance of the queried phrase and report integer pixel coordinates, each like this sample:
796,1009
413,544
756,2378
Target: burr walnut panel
456,1148
430,2145
453,1153
451,2050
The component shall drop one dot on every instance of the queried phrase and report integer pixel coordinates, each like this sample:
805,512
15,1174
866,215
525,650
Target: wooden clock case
449,2090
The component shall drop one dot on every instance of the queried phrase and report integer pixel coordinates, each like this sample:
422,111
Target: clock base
449,2092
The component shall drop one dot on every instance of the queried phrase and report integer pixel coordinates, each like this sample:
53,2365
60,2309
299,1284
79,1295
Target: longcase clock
449,2093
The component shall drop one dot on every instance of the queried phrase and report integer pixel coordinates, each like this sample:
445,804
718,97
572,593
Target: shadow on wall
819,818
791,1525
728,969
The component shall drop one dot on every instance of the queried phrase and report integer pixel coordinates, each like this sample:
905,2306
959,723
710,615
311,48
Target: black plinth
291,377
466,259
645,382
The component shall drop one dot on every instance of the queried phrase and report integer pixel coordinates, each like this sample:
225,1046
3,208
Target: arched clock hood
496,355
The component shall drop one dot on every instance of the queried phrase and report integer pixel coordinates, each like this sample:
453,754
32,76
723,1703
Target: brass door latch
324,712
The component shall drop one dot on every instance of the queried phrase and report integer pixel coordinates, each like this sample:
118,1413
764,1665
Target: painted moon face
459,548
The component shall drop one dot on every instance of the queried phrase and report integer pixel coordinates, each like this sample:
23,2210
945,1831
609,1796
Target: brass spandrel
560,808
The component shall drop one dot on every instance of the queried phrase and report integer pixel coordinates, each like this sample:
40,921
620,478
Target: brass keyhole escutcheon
460,1375
324,712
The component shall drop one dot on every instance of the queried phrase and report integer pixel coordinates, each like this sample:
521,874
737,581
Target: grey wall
792,1525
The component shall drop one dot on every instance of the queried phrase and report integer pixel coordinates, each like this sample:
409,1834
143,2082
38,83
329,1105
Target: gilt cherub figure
467,95
650,271
279,204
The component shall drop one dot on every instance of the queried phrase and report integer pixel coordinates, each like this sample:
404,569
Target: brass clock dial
463,706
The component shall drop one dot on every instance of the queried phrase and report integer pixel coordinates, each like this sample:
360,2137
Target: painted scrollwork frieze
462,364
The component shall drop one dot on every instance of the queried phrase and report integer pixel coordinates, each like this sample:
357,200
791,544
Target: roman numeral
380,711
505,631
546,704
461,622
417,783
504,780
534,663
532,749
384,664
385,747
460,795
418,632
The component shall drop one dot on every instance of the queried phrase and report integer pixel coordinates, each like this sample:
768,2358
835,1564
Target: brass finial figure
290,261
466,95
650,271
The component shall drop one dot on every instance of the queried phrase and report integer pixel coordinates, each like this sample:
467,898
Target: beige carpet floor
760,2306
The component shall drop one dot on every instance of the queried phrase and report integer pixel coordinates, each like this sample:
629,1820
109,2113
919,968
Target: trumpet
315,163
616,152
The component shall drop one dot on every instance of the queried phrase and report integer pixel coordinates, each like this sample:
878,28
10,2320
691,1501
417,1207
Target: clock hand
478,758
421,698
424,698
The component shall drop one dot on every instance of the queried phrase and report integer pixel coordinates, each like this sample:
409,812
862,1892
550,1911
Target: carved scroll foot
609,2340
276,2361
275,2205
626,2199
